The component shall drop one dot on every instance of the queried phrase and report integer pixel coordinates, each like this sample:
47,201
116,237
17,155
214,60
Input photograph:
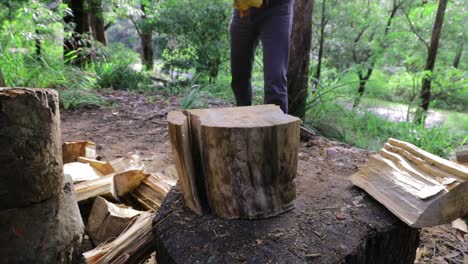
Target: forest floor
136,123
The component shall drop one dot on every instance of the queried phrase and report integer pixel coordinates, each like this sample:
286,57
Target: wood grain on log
30,155
71,150
132,246
420,188
236,162
107,220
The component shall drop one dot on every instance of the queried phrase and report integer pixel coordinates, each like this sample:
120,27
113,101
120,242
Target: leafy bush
114,70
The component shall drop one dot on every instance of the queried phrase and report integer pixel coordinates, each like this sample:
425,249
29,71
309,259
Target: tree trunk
2,80
97,22
77,41
425,93
456,60
236,162
147,50
316,80
298,70
362,85
39,217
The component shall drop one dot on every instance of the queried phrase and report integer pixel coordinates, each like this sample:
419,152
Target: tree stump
236,162
332,222
39,217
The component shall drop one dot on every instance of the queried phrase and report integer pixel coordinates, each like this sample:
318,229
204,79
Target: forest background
374,69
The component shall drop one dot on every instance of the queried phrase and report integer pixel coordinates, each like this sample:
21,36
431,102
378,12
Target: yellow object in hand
244,5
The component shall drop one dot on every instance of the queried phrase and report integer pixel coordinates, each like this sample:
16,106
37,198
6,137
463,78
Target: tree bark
30,154
456,60
39,217
77,41
425,93
97,21
2,80
236,162
311,233
146,37
362,85
323,20
298,70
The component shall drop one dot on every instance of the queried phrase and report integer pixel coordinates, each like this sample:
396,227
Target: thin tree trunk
298,71
318,71
362,85
456,60
425,93
2,80
38,45
147,51
363,79
77,41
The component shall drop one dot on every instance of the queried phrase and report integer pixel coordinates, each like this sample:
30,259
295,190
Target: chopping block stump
332,222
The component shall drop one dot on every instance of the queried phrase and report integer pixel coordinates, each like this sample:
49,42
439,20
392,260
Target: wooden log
451,167
103,167
80,172
30,155
462,156
236,162
129,162
107,220
152,190
422,190
47,232
71,150
125,183
94,188
132,246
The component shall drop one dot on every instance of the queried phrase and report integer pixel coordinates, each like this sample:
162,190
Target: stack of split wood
420,188
122,232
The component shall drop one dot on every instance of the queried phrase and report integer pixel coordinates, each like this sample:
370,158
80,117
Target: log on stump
30,154
333,222
39,218
236,162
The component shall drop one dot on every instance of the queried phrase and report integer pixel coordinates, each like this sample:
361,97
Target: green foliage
76,98
196,34
114,70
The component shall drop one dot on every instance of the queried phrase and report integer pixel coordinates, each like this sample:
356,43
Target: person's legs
244,40
275,32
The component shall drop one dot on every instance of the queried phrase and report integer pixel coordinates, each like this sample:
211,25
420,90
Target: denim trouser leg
275,35
244,41
273,27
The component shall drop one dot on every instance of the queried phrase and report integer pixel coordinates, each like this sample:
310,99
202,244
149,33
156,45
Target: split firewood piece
71,150
128,181
129,162
103,167
107,220
446,165
236,162
420,188
132,246
81,171
153,189
462,156
94,188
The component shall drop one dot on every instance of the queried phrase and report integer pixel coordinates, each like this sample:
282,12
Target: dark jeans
271,25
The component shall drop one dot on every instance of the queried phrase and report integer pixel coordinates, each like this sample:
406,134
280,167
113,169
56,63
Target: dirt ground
136,123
